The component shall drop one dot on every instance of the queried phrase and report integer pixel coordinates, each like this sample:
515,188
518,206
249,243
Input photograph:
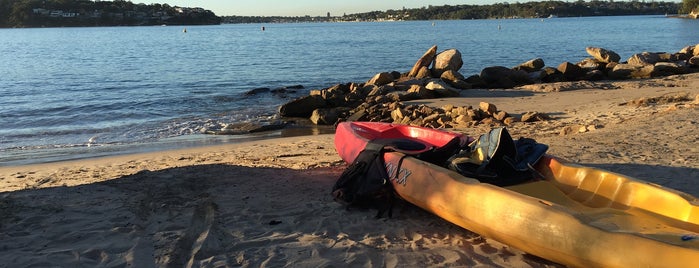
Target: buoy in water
184,30
263,28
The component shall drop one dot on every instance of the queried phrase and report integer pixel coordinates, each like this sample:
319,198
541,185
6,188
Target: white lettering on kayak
399,176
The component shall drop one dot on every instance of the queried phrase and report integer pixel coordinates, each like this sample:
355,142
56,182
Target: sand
267,203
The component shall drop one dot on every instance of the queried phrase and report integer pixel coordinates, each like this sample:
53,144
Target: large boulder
380,79
603,55
423,73
327,116
424,61
302,107
644,58
448,60
503,77
531,65
571,72
669,68
551,75
622,71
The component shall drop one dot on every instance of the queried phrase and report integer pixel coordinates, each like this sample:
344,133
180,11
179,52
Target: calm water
133,88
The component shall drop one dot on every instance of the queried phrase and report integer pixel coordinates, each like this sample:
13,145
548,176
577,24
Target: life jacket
365,183
497,159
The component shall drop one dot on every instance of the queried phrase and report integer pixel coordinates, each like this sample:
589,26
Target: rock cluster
448,116
436,75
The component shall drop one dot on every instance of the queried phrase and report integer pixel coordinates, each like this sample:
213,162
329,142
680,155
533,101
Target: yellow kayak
577,216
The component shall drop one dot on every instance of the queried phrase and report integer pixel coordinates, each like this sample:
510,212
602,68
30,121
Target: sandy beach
267,203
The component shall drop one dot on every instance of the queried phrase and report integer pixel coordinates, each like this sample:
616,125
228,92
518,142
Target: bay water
68,93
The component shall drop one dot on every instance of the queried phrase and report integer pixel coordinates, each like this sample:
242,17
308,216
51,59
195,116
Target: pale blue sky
308,7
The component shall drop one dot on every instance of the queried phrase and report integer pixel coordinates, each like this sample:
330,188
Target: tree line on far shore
66,13
537,9
61,13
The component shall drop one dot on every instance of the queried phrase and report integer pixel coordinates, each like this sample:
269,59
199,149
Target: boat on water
574,215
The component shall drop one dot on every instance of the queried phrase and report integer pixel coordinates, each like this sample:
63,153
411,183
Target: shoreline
267,202
21,157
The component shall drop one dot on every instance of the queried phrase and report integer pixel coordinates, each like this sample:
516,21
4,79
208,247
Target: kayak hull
578,216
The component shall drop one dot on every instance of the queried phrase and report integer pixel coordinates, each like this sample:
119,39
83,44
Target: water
78,92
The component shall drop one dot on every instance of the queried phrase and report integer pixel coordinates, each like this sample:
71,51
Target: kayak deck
596,188
574,216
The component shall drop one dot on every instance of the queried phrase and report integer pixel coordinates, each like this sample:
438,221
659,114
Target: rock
475,81
462,119
680,57
531,65
397,115
603,55
594,75
689,50
645,71
455,79
423,73
377,91
448,60
424,61
335,95
451,75
509,121
501,115
405,83
488,108
258,90
503,77
534,116
693,61
644,58
668,68
421,92
302,107
492,122
442,89
326,116
571,71
623,71
286,89
381,79
551,75
591,64
568,130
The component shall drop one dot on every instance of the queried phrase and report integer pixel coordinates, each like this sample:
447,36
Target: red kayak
352,137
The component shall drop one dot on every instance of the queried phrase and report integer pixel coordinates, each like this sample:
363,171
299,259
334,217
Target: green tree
689,5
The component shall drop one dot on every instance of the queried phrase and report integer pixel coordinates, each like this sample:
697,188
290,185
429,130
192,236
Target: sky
308,7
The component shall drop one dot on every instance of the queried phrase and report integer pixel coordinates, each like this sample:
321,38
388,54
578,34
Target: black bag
365,182
497,159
